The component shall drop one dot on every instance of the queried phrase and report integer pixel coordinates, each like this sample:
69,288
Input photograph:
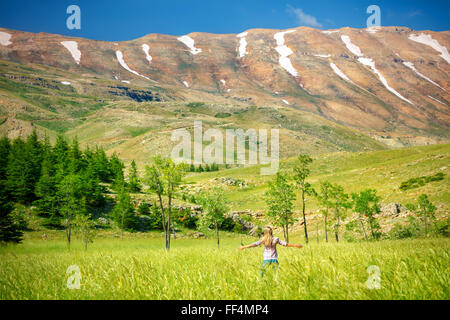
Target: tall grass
195,269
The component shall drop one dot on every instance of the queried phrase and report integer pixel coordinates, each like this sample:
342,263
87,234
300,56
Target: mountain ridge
380,82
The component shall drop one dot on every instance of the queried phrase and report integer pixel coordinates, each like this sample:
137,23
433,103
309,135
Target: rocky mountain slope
390,83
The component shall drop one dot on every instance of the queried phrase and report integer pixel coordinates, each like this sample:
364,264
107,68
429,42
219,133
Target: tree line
60,181
66,186
335,205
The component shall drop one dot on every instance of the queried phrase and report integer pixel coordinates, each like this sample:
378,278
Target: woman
270,251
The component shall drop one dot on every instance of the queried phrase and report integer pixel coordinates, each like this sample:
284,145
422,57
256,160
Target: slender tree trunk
163,218
168,220
304,216
287,233
217,234
326,221
336,231
317,232
364,229
173,229
68,231
122,224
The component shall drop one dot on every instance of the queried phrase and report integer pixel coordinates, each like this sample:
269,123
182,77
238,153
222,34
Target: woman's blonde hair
267,239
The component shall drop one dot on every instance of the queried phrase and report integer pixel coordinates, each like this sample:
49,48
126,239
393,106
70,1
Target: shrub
222,115
420,181
144,209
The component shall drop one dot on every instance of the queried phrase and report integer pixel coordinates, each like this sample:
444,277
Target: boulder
197,235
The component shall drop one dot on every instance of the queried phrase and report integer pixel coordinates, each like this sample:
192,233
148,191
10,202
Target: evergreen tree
34,150
9,231
5,147
46,188
116,168
76,161
123,212
20,175
100,165
61,154
134,183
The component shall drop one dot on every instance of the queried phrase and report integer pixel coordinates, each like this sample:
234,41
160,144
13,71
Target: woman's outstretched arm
257,243
247,246
285,244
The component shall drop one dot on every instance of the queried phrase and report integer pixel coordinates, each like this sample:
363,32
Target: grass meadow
196,269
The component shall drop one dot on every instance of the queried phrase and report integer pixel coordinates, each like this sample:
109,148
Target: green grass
383,170
196,269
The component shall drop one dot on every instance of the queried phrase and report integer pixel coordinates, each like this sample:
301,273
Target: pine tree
34,155
116,168
20,176
46,188
76,160
5,147
9,231
134,183
123,212
61,156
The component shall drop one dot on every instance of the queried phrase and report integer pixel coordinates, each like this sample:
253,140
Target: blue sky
125,20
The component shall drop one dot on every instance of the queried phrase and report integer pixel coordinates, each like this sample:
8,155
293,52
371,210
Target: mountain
346,89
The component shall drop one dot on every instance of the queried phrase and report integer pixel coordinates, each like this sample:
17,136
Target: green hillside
382,170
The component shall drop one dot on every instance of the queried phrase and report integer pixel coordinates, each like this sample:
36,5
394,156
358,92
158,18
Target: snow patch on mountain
351,47
146,49
66,83
339,72
4,38
411,66
189,42
436,100
122,62
371,64
285,101
284,52
72,46
322,55
373,30
428,40
125,81
242,44
186,84
330,31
